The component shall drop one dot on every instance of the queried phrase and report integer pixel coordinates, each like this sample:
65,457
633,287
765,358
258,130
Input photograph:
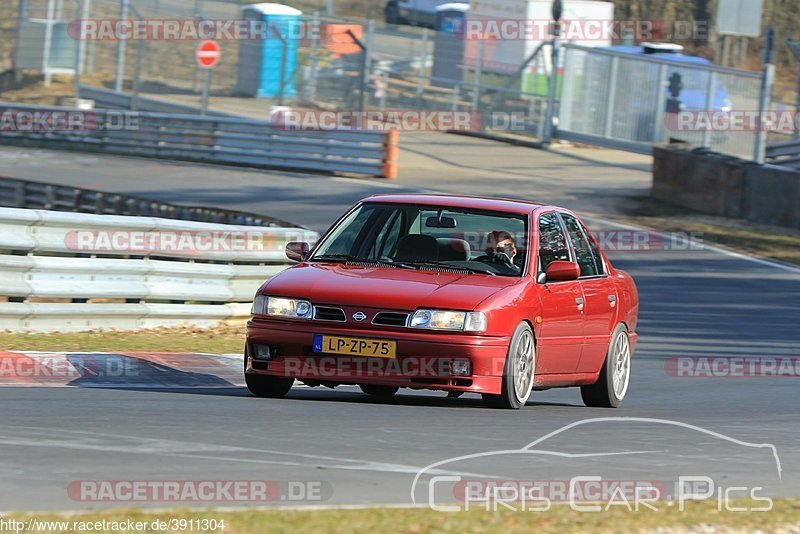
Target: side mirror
297,250
562,271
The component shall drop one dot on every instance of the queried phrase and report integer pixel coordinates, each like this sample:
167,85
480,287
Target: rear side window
586,253
552,242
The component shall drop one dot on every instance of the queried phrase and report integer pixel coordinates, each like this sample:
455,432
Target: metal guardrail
15,193
236,141
109,99
784,154
107,271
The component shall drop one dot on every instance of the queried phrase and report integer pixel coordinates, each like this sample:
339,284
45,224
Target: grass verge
769,242
228,339
697,517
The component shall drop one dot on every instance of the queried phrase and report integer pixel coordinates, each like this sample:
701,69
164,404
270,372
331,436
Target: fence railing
70,271
109,99
236,141
786,154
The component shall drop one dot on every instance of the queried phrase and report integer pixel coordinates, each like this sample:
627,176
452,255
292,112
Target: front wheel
612,385
268,386
518,372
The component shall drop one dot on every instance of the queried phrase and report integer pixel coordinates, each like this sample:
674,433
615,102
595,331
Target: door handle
612,299
579,302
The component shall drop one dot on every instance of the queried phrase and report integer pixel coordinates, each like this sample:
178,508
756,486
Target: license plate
355,346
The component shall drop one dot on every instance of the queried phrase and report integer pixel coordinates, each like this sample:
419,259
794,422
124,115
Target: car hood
385,287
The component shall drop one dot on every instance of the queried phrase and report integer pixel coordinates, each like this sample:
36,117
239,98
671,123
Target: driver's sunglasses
507,248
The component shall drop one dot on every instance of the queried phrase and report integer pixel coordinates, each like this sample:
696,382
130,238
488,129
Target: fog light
461,367
264,352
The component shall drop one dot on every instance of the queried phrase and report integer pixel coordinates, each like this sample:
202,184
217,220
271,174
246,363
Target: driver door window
552,243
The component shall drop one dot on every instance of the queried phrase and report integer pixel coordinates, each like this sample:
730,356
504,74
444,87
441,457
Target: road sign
208,54
739,17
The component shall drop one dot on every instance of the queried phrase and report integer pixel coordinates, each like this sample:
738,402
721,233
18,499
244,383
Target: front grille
390,319
322,313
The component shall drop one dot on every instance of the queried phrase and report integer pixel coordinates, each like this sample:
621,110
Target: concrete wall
730,187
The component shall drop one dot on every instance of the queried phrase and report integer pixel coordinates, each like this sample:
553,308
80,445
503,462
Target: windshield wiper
349,257
451,266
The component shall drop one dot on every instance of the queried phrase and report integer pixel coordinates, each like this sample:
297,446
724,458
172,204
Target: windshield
421,237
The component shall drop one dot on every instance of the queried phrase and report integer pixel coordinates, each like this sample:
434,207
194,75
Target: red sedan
460,294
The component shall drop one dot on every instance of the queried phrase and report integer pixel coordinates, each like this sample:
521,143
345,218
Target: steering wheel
496,257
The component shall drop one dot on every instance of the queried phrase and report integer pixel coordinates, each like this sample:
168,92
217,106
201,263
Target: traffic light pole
551,93
362,74
282,81
767,81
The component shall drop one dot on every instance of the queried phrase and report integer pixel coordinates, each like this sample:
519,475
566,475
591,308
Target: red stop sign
207,54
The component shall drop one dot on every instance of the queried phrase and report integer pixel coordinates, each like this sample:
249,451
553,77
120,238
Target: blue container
448,44
260,59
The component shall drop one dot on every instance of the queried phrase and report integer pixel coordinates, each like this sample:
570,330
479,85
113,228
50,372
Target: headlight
449,320
282,307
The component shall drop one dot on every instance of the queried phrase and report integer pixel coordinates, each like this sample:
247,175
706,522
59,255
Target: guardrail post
19,194
391,149
711,91
50,197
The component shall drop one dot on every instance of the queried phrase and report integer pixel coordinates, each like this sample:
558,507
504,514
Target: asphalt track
698,302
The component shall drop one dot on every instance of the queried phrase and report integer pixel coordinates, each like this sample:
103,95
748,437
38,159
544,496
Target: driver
499,243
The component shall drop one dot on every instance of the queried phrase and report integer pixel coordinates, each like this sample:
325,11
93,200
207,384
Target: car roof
462,201
638,51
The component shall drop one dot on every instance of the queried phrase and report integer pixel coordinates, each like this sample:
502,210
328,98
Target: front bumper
424,358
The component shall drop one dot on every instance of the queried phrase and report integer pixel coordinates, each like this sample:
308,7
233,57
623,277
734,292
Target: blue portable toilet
260,59
448,44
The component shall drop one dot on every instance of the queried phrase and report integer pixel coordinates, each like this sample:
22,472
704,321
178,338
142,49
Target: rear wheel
379,391
518,372
612,385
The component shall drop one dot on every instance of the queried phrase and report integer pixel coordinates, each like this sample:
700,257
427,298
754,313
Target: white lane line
102,442
706,246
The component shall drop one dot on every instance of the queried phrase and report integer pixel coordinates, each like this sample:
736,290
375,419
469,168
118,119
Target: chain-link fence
332,63
634,101
399,67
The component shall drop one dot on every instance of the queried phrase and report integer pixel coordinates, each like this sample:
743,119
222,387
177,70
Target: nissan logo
359,316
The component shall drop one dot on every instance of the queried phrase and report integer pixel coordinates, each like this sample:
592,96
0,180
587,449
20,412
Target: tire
384,392
267,386
612,384
518,372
